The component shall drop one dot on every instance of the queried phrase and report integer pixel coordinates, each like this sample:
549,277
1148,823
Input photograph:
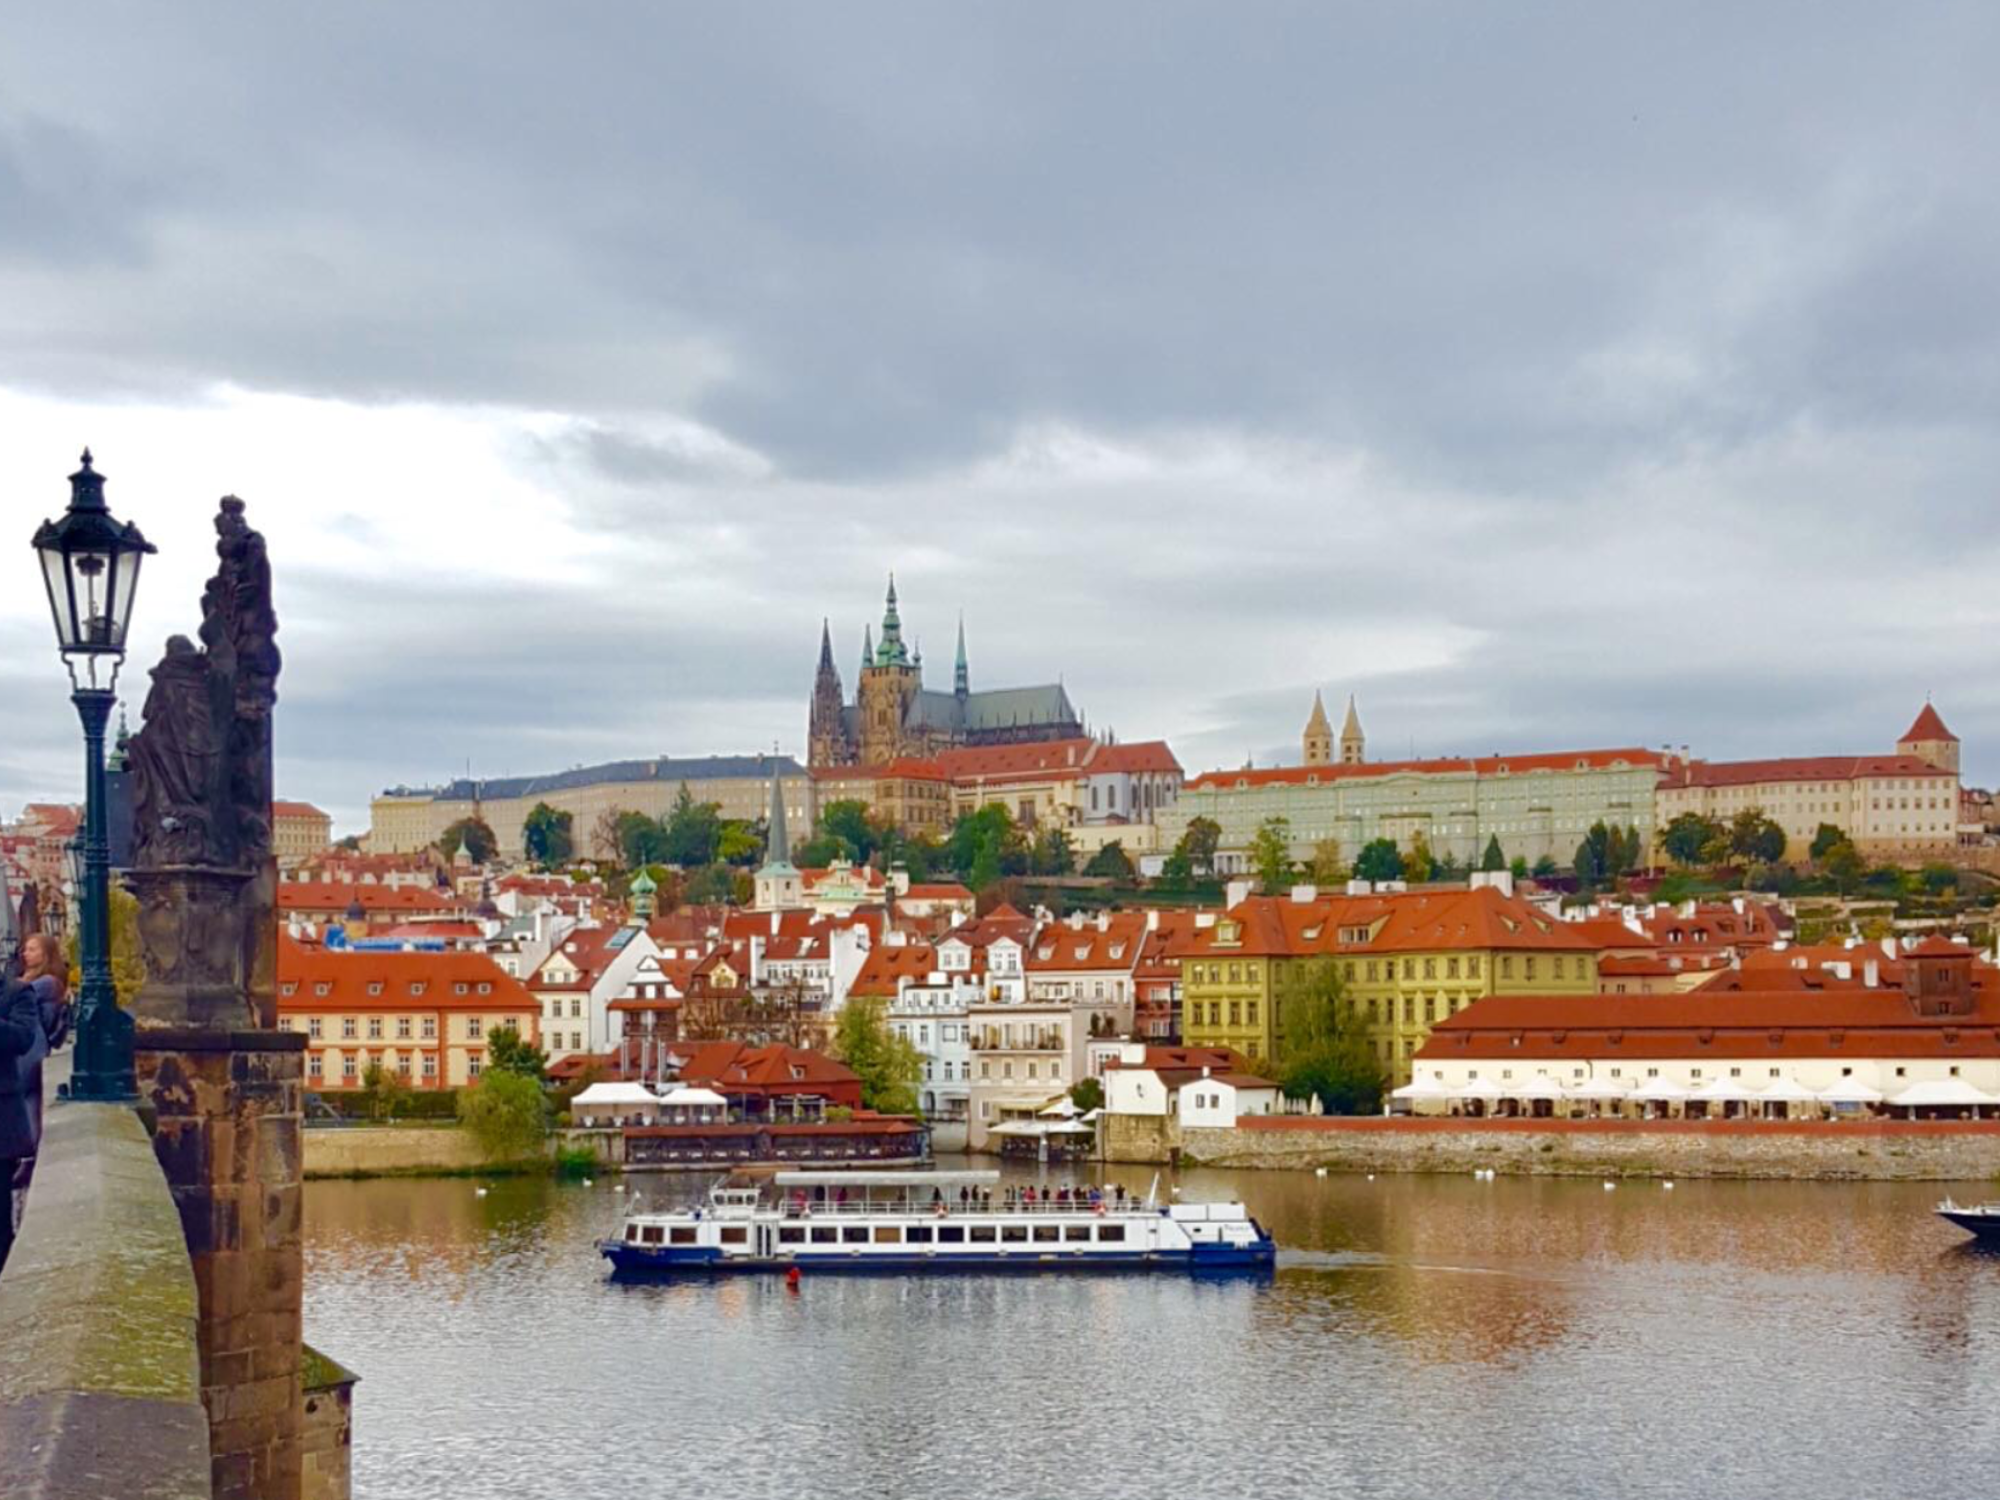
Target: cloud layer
1547,380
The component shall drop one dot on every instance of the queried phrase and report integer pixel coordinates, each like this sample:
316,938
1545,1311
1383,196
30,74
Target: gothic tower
887,686
1353,745
826,731
1318,738
961,674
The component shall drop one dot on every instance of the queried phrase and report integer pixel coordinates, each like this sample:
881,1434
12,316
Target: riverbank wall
438,1151
1901,1150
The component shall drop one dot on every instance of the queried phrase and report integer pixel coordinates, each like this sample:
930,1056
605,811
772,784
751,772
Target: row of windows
353,1065
425,1027
323,988
1007,1069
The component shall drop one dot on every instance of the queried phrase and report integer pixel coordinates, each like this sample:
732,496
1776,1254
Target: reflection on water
1422,1335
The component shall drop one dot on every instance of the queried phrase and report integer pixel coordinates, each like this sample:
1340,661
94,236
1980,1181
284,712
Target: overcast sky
1549,376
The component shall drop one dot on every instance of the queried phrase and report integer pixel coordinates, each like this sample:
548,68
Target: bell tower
826,731
1318,738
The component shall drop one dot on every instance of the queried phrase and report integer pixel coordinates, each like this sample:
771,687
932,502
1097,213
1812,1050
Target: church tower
887,686
1318,738
1930,742
961,674
778,884
826,730
1353,744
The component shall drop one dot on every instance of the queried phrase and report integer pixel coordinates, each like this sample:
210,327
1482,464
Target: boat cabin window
1014,1232
825,1234
981,1234
735,1234
1075,1232
1110,1232
918,1234
653,1234
791,1234
951,1234
888,1234
682,1235
854,1234
1048,1234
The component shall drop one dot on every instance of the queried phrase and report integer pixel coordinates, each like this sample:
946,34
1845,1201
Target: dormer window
375,988
322,989
416,987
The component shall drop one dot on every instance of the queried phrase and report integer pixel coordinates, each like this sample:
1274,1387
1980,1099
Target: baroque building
894,716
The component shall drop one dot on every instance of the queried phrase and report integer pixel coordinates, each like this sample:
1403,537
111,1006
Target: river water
1423,1336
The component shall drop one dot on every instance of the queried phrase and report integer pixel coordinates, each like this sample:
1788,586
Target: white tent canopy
609,1094
1601,1088
1851,1091
1421,1088
1788,1091
1541,1086
699,1098
1941,1093
1725,1091
1659,1091
1475,1088
1063,1109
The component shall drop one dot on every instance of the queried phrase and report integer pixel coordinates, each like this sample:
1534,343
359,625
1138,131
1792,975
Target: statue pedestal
196,933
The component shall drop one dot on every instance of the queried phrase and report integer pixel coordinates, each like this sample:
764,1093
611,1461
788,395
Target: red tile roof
1709,773
1139,756
1928,727
349,975
1059,948
1031,762
1488,765
885,966
335,896
295,810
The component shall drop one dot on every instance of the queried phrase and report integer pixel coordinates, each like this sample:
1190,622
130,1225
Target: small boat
1981,1219
906,1221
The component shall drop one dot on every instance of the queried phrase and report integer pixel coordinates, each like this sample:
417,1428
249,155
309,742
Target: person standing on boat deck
20,1035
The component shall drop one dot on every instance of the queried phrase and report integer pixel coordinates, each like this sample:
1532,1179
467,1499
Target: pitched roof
666,768
1035,761
885,966
1709,773
1486,765
1396,922
374,897
1928,727
295,810
350,975
1059,948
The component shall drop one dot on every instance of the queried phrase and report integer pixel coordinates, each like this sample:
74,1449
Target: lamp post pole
90,564
102,1071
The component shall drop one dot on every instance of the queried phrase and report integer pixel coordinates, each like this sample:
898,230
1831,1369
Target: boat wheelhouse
932,1221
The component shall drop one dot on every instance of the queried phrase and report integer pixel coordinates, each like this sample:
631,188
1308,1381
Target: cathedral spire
961,674
825,646
891,652
867,646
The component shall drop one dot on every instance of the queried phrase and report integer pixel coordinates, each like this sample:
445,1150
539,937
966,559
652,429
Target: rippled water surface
1423,1336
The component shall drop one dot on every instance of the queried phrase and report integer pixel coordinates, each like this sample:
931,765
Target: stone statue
200,769
201,763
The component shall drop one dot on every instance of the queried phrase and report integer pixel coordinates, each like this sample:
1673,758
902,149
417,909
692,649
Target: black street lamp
90,562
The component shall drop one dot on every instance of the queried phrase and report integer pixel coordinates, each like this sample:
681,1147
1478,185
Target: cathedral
894,715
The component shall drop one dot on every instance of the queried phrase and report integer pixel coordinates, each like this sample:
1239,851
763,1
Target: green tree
1322,1049
1544,867
506,1052
1938,878
1418,866
1087,1095
383,1093
1271,854
1111,862
1756,838
474,834
1052,853
1688,837
737,843
1379,860
984,845
1495,858
1827,836
1585,867
548,836
1325,867
641,840
507,1114
1177,870
711,885
691,831
1201,838
1518,867
847,821
1844,866
889,1066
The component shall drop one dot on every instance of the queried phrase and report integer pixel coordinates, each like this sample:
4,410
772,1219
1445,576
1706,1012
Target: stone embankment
434,1151
1935,1151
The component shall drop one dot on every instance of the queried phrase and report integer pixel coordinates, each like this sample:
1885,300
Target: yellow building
913,795
299,831
1409,959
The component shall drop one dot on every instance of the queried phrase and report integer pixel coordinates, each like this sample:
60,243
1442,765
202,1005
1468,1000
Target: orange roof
1928,727
338,895
295,810
949,890
1706,773
1140,755
908,767
1032,762
362,981
885,966
1488,765
1061,948
1396,922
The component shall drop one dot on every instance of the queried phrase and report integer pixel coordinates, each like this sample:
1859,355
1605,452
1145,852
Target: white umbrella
1941,1093
1851,1091
1541,1086
1063,1109
1090,1116
1659,1091
1475,1088
1789,1091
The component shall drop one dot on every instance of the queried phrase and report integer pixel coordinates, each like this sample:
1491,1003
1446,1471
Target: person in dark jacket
20,1034
43,971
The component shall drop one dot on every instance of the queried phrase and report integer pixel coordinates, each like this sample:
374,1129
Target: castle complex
894,716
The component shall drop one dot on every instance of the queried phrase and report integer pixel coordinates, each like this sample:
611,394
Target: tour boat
933,1221
1982,1219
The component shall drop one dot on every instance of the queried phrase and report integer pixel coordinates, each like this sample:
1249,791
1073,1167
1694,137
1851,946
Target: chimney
1204,919
1360,888
1871,975
1152,919
1236,893
1304,895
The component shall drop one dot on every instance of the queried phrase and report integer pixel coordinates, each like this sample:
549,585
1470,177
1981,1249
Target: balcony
1040,1041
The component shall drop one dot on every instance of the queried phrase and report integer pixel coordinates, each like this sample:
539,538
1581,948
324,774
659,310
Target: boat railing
951,1208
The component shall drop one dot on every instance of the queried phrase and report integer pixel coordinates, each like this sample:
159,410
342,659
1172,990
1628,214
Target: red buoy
792,1278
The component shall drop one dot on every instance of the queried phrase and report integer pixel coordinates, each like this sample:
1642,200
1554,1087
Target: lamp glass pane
55,573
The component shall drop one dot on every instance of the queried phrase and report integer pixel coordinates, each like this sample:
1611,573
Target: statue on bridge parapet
201,803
